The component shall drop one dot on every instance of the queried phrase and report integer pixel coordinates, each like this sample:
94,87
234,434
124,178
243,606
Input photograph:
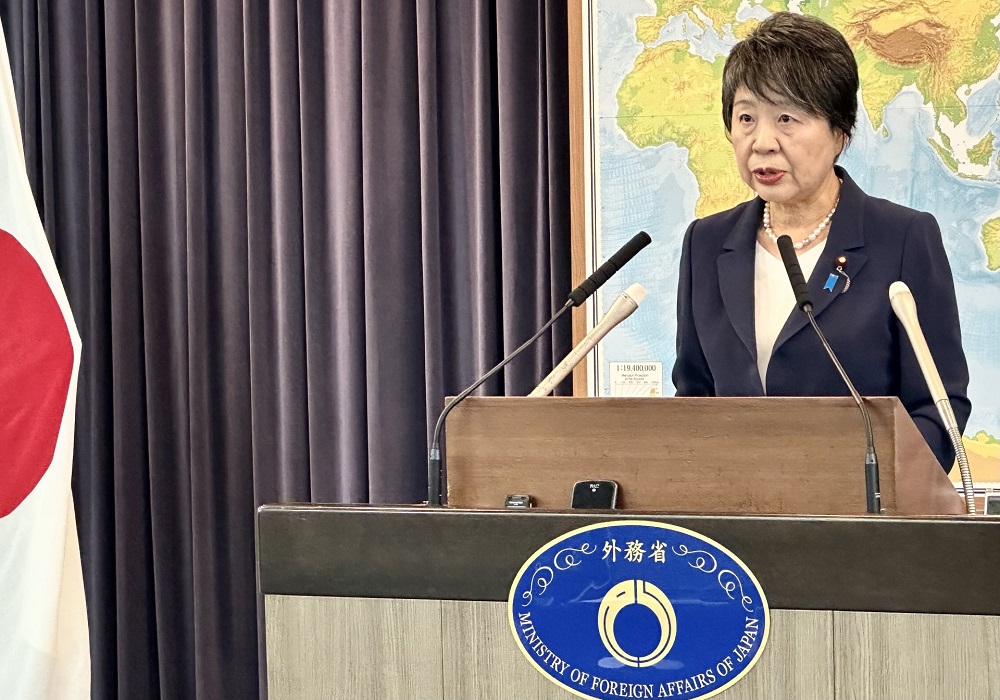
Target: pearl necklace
808,239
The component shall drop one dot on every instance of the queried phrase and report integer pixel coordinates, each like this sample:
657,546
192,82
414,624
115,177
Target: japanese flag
44,647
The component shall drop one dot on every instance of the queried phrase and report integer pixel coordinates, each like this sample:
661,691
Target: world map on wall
928,137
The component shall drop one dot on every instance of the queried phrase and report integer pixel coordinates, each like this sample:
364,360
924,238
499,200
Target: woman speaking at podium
789,103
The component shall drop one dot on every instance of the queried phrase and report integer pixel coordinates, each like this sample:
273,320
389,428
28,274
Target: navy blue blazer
883,242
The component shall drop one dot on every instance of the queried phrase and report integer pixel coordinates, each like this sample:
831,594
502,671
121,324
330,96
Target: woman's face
784,153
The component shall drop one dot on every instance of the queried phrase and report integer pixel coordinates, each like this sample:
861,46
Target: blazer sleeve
691,374
926,271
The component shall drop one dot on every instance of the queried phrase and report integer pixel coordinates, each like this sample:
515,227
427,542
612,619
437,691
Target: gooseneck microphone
906,311
623,307
873,496
613,265
576,297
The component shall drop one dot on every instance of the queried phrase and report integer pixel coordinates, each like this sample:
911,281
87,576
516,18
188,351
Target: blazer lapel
736,271
846,234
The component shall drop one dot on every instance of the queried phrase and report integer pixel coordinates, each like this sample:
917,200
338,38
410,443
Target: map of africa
928,137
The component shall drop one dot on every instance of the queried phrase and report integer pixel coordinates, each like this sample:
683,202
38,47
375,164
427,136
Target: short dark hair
801,59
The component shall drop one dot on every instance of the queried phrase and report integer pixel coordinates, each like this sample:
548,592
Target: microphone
576,297
873,496
799,285
605,271
905,308
623,307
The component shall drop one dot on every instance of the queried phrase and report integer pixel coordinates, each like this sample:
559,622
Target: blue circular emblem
638,609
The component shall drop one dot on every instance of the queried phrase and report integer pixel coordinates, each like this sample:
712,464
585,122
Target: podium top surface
865,563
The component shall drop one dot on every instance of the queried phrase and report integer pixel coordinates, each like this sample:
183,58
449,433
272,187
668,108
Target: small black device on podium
595,493
518,500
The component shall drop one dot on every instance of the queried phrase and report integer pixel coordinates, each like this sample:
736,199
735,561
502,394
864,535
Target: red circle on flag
36,364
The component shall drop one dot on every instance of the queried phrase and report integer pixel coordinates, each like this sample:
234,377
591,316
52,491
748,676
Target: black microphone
577,297
873,496
799,285
613,265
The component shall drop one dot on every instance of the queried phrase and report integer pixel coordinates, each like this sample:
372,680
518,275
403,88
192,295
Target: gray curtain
287,231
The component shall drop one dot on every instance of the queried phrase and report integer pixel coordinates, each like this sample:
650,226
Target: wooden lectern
408,602
693,455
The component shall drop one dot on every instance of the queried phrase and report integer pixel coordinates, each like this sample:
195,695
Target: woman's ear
845,141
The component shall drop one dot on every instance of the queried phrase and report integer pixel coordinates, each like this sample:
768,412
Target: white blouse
774,300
